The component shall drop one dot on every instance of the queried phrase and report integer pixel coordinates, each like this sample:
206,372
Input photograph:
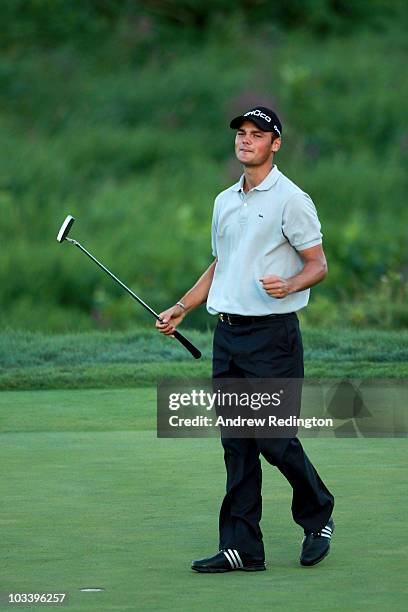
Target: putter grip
187,344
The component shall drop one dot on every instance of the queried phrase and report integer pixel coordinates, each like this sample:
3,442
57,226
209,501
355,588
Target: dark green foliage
51,22
111,113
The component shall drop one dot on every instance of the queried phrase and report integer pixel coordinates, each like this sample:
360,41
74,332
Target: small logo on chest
259,215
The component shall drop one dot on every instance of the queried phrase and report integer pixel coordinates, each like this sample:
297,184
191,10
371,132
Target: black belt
233,319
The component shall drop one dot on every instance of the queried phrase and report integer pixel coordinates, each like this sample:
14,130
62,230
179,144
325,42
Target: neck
254,175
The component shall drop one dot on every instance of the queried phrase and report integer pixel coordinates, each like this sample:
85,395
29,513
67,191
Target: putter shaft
182,339
115,278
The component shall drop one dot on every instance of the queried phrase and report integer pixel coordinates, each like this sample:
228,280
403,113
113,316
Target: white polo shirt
256,234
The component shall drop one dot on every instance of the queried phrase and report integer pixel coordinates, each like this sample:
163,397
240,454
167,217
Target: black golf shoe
316,546
227,560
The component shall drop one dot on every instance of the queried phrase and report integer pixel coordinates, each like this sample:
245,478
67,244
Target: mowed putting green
91,498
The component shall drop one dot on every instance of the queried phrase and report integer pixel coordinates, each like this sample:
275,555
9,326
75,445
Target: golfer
267,246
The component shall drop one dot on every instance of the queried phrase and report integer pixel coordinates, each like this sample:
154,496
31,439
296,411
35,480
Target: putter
63,235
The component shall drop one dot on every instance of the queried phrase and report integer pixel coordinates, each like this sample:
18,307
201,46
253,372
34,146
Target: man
268,252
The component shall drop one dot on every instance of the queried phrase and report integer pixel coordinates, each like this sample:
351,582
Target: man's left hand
276,287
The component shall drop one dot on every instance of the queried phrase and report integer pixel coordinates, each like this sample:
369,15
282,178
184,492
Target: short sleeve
300,223
214,229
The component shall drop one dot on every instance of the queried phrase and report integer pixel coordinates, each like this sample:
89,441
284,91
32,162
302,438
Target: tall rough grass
131,136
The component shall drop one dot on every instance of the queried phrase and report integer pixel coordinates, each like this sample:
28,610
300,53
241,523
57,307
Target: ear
276,144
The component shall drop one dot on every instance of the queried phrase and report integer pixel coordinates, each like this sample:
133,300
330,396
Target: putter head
65,227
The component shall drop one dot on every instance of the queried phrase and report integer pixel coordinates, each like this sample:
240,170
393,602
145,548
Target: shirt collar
268,182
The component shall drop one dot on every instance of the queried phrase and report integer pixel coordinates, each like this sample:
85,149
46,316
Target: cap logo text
258,113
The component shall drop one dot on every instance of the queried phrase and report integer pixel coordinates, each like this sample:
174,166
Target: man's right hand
170,319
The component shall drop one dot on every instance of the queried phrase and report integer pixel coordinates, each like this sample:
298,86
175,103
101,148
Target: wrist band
181,305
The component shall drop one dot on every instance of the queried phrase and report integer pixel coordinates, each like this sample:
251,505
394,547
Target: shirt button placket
243,218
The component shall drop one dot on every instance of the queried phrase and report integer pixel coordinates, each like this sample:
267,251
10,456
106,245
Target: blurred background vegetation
117,112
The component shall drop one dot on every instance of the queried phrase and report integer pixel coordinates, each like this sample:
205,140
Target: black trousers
268,349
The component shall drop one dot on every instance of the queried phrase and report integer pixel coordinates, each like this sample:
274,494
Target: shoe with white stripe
228,560
316,546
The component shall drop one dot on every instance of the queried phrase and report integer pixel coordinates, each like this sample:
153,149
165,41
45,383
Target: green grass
91,497
23,349
139,357
138,375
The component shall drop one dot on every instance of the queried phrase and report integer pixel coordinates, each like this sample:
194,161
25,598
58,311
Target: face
253,147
